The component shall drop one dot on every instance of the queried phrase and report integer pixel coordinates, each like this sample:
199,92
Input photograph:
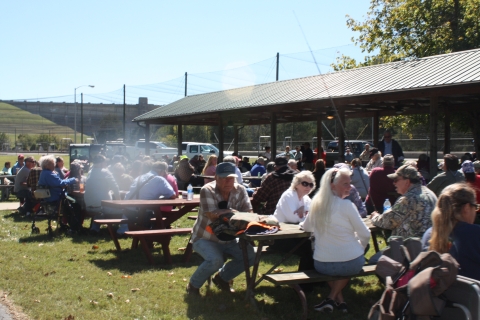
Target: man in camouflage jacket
410,215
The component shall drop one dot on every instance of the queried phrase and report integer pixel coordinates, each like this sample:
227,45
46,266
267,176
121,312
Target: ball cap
467,167
476,164
389,159
407,172
281,161
225,169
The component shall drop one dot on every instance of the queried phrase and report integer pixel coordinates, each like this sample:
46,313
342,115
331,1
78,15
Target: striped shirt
210,196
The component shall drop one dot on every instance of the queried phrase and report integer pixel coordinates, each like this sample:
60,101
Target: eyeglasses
307,184
476,206
333,175
397,179
387,137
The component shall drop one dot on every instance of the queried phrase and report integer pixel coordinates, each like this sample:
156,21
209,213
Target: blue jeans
341,268
213,253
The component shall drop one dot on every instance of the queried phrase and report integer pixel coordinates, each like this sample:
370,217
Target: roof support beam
376,124
341,137
433,135
147,139
447,130
235,137
319,136
179,139
220,138
273,135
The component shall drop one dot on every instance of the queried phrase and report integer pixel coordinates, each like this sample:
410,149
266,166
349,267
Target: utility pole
81,118
185,84
124,106
278,64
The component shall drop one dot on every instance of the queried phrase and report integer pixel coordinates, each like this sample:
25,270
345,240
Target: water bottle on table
190,192
386,205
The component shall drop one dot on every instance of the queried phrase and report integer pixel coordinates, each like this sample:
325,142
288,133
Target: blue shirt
16,167
152,190
51,179
258,168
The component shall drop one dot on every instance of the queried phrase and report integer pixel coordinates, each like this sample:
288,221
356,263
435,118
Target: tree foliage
399,29
407,29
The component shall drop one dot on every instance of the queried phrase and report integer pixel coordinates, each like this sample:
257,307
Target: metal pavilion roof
434,72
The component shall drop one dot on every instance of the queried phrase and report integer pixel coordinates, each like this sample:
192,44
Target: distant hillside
15,121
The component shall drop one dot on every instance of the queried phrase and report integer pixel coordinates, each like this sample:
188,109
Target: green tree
399,29
407,29
4,138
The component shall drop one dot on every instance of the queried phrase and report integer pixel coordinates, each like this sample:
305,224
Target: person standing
217,198
391,146
268,153
298,157
348,155
307,159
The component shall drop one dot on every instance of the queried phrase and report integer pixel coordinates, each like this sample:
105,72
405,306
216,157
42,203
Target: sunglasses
397,179
307,184
333,175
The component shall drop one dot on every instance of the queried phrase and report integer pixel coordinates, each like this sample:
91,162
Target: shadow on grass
134,260
282,302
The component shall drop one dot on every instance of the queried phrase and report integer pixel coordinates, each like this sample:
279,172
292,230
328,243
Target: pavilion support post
341,137
220,139
273,134
433,135
376,125
235,139
319,134
147,139
447,130
179,139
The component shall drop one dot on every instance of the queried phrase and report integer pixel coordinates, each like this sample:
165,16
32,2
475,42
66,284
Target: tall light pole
75,95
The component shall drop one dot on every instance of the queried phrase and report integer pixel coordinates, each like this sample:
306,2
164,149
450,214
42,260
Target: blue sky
51,47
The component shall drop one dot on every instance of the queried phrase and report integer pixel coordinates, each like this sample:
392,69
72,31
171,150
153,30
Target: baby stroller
62,212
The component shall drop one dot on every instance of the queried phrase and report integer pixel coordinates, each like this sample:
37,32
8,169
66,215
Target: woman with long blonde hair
209,169
340,235
453,230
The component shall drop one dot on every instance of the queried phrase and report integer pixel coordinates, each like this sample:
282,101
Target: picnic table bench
294,279
162,236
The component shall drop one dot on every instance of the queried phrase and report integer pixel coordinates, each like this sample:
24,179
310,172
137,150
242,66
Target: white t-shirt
345,237
289,204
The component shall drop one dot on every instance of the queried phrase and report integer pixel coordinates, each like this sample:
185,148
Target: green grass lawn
53,278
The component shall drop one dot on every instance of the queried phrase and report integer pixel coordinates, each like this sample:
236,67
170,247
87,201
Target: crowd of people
402,197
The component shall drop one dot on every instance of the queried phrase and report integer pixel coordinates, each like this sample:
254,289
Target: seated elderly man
22,189
410,214
218,197
376,160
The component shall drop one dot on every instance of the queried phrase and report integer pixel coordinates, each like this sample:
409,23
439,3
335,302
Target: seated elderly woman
49,178
340,235
293,207
453,230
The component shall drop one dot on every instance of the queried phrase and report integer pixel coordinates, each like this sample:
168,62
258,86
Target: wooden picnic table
184,206
286,231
